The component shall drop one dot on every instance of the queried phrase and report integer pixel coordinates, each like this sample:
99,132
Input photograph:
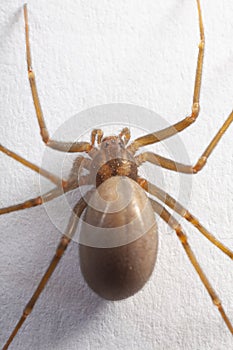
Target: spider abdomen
118,239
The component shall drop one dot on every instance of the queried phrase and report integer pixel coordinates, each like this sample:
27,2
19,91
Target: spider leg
126,133
96,132
64,242
163,162
33,202
53,178
183,212
75,178
73,182
60,146
182,168
183,124
173,223
48,196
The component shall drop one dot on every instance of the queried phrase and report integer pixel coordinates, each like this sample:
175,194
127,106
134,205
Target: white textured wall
89,53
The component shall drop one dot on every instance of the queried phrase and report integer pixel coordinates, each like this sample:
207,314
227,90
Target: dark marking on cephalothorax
116,167
112,159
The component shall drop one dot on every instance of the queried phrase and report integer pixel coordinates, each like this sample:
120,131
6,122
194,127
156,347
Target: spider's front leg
183,124
58,145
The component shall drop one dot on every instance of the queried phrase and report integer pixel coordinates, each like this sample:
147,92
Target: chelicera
119,270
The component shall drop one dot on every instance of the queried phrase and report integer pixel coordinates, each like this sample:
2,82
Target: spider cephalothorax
111,158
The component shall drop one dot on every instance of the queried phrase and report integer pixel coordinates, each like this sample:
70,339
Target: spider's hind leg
183,212
173,223
61,248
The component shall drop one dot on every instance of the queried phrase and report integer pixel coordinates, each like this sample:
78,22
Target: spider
117,163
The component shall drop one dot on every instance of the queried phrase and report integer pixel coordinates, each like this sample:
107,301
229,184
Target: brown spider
118,272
